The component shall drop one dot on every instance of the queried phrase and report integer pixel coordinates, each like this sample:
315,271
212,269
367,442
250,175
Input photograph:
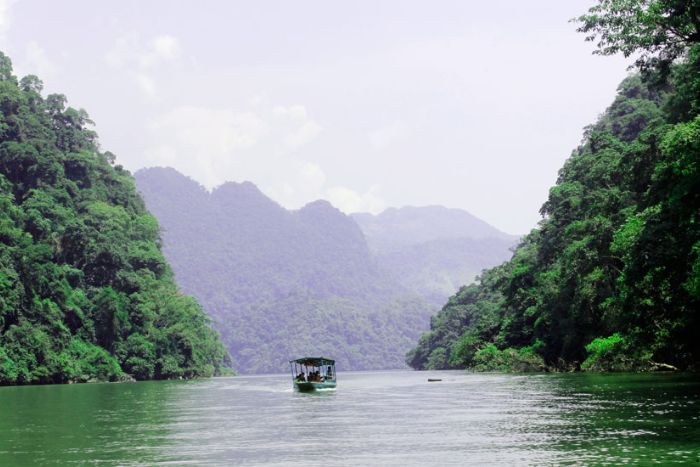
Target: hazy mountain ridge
281,283
396,228
434,250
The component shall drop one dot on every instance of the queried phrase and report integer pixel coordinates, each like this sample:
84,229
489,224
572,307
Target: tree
660,30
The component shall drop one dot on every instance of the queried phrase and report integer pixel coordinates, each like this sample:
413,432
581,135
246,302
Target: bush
611,353
437,359
83,361
464,350
526,359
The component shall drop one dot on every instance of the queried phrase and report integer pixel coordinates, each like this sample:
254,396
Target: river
373,418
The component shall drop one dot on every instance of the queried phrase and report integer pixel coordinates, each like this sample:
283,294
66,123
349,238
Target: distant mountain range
281,283
433,250
396,228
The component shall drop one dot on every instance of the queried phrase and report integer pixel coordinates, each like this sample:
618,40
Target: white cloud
35,61
140,59
38,61
309,183
303,134
5,7
165,47
349,201
218,145
219,131
300,129
146,83
312,176
202,142
385,136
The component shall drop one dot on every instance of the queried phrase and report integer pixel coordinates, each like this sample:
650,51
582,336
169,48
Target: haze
472,105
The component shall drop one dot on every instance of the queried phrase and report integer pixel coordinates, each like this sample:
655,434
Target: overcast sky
368,104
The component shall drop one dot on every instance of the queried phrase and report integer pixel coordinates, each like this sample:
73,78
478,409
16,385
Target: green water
373,418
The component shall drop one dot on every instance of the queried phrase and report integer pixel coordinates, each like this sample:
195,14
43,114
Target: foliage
658,29
613,353
490,358
85,293
609,279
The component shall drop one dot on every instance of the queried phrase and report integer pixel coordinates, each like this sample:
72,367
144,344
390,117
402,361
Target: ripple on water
373,418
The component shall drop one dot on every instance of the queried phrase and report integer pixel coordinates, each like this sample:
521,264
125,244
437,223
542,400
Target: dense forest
85,292
610,279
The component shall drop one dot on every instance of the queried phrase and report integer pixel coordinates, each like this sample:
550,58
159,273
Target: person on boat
329,372
301,376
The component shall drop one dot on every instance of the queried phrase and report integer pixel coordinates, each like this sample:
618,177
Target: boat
313,373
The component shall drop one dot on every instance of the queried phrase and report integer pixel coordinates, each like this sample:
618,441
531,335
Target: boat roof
314,361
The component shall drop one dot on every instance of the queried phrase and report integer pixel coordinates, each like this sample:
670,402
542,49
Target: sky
369,104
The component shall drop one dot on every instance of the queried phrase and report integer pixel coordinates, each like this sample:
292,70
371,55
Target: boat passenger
329,372
301,377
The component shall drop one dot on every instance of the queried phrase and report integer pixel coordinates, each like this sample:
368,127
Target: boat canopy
311,373
314,361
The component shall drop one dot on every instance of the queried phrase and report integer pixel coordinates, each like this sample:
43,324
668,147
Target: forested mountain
610,280
433,250
85,293
282,283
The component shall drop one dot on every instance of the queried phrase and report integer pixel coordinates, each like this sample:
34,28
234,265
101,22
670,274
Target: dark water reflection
374,418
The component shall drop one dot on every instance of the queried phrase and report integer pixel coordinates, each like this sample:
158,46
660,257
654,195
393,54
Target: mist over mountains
395,228
433,250
281,283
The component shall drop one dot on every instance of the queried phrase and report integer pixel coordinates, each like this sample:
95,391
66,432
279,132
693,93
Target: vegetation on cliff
610,279
85,293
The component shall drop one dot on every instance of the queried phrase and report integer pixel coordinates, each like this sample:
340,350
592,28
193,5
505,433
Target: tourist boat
313,373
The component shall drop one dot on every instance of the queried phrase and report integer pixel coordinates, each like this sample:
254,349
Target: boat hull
309,386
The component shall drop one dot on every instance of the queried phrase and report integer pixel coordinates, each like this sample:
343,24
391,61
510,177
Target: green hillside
85,293
610,279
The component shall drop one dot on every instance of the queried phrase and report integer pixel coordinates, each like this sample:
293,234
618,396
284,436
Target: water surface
373,418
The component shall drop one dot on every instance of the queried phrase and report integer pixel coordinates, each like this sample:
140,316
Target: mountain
610,279
85,292
279,283
399,227
433,250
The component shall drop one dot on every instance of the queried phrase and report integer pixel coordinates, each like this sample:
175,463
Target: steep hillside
281,283
433,250
611,278
85,293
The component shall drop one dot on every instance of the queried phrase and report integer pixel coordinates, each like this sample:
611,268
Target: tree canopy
659,30
85,293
